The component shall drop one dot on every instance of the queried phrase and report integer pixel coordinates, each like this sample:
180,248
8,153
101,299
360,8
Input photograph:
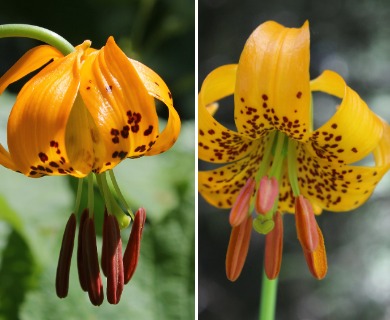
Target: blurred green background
353,39
33,212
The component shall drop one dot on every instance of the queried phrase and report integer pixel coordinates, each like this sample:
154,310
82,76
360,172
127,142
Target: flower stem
268,298
38,33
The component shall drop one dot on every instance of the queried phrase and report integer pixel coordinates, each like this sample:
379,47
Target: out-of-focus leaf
18,268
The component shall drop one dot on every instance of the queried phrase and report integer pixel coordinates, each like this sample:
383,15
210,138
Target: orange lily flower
81,115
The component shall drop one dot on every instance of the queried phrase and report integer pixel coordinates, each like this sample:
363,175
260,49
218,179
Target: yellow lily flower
297,169
84,113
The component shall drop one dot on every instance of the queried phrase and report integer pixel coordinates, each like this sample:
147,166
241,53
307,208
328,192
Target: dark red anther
104,259
114,262
130,258
91,263
65,258
80,257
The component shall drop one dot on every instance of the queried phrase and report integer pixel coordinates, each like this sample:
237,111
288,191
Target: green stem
269,289
38,33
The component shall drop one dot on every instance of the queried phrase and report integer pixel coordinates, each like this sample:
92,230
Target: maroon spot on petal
148,131
135,128
114,132
354,150
43,157
334,125
265,97
53,164
115,140
299,94
115,154
122,154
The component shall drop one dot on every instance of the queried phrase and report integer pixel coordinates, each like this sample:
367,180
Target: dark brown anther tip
114,262
130,258
65,258
80,257
91,263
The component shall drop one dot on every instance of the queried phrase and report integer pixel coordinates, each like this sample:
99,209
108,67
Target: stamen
90,194
65,258
240,208
267,194
316,260
238,249
130,258
119,194
111,203
292,167
115,276
80,256
104,257
91,263
264,165
306,224
78,196
279,152
274,248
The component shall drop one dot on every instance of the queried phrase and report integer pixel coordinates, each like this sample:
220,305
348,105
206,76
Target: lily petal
272,89
220,187
217,143
158,89
120,105
339,188
339,139
29,62
41,109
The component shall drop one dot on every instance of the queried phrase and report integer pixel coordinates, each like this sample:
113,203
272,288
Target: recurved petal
341,187
38,120
120,105
217,143
339,140
30,61
220,187
158,89
272,87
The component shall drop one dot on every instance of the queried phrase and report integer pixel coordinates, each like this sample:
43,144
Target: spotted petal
339,140
217,143
120,105
158,89
221,186
36,126
272,88
29,62
339,188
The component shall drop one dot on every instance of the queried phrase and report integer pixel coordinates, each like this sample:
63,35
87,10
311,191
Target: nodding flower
81,115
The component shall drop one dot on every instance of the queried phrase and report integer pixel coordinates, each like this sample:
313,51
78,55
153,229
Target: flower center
279,151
